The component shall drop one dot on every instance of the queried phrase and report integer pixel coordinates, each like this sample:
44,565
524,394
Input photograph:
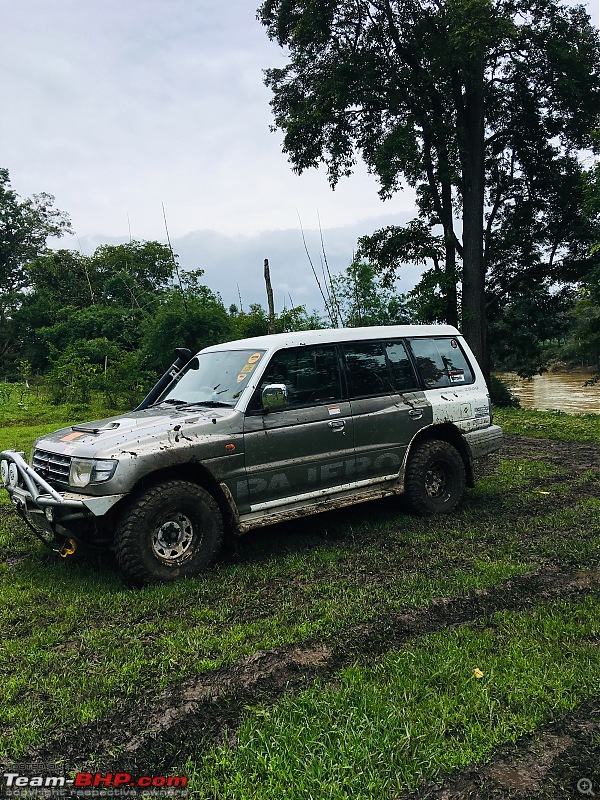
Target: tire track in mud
575,456
546,765
207,709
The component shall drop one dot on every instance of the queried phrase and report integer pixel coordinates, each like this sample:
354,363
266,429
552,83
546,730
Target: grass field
362,653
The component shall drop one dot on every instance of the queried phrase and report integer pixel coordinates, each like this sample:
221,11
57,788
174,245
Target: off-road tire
435,478
173,530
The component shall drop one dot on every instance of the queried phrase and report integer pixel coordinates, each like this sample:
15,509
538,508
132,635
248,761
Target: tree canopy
25,227
480,105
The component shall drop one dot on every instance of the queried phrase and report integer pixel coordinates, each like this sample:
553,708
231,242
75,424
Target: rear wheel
435,477
173,530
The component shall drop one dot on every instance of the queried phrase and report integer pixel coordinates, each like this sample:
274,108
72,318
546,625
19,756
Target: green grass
22,406
27,413
78,644
549,424
89,644
419,711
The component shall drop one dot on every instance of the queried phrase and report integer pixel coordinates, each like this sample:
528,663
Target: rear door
306,447
383,396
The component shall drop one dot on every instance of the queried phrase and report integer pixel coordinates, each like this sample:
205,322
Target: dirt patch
572,456
556,763
205,710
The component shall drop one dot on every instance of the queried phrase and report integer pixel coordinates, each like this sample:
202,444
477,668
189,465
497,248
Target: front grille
51,467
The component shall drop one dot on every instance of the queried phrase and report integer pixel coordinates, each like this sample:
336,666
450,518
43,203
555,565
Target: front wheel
172,531
435,478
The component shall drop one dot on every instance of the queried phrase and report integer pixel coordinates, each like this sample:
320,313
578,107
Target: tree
363,299
25,227
466,100
194,318
72,298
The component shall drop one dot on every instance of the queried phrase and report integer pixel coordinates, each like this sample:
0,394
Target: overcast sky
118,106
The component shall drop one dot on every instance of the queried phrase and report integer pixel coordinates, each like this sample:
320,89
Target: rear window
441,362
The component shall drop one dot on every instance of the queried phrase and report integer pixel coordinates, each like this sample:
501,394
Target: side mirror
274,397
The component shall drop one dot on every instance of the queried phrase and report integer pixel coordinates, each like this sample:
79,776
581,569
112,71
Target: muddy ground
200,712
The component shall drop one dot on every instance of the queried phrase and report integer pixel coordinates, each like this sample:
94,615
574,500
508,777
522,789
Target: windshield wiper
171,400
210,404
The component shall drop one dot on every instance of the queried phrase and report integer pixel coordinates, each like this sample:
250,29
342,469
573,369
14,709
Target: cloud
235,262
116,108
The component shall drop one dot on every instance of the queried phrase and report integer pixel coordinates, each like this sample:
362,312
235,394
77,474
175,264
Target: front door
305,448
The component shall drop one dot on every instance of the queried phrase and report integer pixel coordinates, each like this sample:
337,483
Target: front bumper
33,495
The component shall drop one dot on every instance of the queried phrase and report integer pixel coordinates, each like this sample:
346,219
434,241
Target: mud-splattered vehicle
258,431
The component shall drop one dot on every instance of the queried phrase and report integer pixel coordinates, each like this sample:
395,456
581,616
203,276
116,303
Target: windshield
214,379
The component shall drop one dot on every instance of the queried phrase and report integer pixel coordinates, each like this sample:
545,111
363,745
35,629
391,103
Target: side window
368,371
311,374
403,373
441,362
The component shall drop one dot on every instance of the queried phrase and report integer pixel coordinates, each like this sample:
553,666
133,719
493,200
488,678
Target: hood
107,438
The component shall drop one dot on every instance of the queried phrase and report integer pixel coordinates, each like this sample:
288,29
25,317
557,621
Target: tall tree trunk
474,322
450,255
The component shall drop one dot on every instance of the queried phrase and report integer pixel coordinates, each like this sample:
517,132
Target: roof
276,341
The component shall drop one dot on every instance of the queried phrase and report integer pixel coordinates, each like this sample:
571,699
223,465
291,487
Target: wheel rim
172,539
437,481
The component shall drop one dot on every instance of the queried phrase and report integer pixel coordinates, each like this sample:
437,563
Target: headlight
4,469
84,471
13,475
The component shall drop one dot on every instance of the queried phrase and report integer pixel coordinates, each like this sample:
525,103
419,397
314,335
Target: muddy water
561,391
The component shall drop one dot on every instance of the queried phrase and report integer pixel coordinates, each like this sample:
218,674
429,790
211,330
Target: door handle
416,413
337,424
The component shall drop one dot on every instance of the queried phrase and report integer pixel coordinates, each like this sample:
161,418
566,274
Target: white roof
276,341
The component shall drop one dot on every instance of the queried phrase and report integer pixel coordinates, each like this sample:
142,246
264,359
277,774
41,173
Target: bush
501,395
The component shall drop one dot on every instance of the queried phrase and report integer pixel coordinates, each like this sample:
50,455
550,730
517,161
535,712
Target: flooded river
560,391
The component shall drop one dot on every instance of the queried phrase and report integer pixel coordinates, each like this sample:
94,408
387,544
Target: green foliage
501,395
582,345
296,319
98,366
392,247
193,319
254,322
529,331
72,377
480,105
364,298
125,381
25,226
108,295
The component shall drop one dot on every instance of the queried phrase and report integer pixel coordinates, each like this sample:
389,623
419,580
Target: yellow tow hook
68,548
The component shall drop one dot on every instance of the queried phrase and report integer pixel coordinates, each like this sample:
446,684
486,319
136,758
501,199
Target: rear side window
368,372
402,369
379,368
441,362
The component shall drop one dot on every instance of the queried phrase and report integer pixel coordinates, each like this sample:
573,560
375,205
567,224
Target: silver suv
259,431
